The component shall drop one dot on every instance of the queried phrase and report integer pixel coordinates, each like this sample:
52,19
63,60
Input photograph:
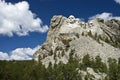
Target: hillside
88,69
96,38
91,49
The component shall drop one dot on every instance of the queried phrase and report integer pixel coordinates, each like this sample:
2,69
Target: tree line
31,70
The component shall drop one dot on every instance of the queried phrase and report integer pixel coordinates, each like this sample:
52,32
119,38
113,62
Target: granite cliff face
96,37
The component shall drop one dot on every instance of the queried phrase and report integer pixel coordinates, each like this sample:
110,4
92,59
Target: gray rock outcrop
95,37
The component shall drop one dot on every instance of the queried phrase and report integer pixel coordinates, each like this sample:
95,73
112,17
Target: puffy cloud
18,19
19,54
105,16
23,53
117,1
4,56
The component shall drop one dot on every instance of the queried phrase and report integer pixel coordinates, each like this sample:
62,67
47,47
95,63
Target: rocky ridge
96,37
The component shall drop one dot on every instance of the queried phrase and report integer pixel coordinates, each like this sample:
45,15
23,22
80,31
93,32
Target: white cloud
19,54
105,16
4,56
117,1
18,19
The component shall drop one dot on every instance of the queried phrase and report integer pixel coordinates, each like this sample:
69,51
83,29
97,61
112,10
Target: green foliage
99,65
51,53
31,70
112,69
77,35
90,34
86,61
63,53
95,36
55,56
82,34
44,55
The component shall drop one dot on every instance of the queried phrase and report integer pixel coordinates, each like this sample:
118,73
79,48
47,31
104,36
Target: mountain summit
96,37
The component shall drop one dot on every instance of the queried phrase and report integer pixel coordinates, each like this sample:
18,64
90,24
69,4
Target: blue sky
24,24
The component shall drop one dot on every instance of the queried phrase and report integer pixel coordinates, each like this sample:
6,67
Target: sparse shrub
63,53
51,53
44,55
90,34
55,55
82,34
77,35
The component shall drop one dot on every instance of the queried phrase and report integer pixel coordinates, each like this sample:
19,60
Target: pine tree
118,71
112,69
86,61
99,65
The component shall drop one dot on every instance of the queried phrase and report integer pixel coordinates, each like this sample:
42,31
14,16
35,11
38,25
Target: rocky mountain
96,37
71,36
